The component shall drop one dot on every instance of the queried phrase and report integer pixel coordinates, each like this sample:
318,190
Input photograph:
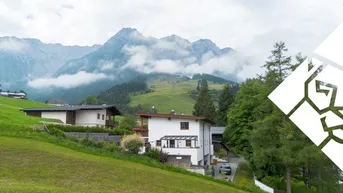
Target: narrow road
233,162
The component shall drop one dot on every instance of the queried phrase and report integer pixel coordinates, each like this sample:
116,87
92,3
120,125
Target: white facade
82,117
58,115
90,117
200,148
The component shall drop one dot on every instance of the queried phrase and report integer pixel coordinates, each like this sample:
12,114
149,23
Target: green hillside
34,166
33,161
10,111
170,93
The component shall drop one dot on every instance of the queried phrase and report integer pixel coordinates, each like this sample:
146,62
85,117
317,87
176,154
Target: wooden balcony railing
111,123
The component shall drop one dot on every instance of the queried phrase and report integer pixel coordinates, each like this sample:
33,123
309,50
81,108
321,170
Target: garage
181,160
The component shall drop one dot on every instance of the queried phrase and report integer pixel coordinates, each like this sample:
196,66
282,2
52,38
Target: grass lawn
10,111
168,96
244,177
33,166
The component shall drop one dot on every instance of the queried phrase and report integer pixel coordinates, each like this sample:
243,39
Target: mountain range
38,67
27,59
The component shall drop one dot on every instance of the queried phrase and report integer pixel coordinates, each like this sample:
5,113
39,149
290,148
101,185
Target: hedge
94,129
68,128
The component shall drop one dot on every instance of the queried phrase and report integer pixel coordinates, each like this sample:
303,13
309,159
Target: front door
172,143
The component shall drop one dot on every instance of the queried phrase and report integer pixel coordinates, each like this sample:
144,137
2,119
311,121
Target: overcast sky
251,26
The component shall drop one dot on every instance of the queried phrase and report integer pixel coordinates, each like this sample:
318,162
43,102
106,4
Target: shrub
120,131
88,142
100,144
274,182
113,147
57,132
132,143
163,157
221,154
73,138
154,153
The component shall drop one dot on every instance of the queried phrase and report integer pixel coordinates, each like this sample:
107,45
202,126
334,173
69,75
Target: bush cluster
275,182
154,153
158,155
86,141
163,157
57,132
132,143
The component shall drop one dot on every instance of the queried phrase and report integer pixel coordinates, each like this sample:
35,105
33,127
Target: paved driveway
233,162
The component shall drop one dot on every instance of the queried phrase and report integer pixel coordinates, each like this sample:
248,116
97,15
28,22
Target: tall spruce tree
226,99
271,124
204,105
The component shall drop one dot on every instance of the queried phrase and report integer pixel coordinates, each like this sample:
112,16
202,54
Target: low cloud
171,46
68,6
142,59
12,44
107,66
138,36
67,81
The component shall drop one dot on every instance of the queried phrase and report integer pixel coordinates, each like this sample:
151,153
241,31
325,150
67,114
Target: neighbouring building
82,115
186,139
217,137
143,132
16,95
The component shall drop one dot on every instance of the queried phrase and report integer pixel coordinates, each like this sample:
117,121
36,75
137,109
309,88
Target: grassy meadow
170,95
35,166
10,111
32,161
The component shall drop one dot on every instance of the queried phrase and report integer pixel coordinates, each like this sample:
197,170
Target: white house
16,95
186,139
82,115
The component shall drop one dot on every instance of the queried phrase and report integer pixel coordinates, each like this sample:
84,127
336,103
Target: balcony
111,123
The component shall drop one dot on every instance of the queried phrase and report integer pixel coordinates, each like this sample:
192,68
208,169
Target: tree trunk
309,178
320,187
289,180
304,171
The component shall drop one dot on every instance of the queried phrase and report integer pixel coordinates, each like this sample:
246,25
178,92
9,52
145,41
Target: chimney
153,110
172,112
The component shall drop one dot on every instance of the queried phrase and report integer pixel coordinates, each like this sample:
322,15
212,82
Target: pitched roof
74,108
56,101
169,116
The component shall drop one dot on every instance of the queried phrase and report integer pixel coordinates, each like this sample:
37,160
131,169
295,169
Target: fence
197,170
267,188
263,186
96,136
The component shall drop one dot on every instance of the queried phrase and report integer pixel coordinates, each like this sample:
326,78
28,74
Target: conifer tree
204,105
226,99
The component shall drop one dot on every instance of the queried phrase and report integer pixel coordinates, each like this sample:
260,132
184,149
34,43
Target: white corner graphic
312,96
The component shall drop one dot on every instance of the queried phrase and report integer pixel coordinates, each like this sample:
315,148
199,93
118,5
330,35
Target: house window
184,125
98,115
188,143
103,117
158,143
